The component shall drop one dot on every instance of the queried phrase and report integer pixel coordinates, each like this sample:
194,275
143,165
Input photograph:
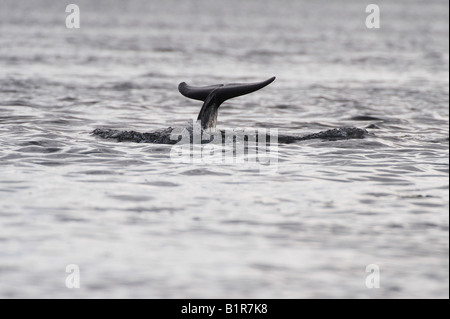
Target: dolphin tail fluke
222,92
214,95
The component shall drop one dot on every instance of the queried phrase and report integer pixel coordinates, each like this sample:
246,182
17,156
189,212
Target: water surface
142,226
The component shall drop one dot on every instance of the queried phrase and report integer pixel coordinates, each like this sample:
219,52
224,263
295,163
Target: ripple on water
100,172
42,150
202,172
162,184
131,198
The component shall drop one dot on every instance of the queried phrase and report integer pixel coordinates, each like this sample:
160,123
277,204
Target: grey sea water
142,226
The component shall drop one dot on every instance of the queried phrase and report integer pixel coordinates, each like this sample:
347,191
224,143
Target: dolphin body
213,96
